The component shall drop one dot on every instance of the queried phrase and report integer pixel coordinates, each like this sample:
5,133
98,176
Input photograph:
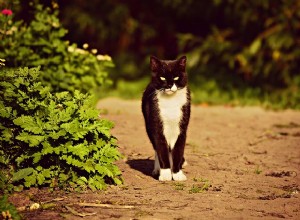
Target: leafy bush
7,210
252,52
39,42
53,139
241,51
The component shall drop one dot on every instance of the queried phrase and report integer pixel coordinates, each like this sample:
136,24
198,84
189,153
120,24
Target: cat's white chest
170,107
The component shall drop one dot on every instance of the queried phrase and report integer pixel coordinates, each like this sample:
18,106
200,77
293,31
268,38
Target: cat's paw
179,176
165,175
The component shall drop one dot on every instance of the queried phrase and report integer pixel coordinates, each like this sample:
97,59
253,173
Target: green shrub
7,210
253,52
53,139
39,42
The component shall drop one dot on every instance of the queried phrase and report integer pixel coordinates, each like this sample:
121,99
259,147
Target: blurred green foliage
39,41
8,210
239,52
244,52
255,55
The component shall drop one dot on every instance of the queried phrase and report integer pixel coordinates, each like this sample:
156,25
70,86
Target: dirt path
243,163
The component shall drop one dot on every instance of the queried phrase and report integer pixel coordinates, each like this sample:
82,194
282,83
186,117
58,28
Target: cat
166,109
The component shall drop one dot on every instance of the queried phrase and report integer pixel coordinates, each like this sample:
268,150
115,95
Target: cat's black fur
173,72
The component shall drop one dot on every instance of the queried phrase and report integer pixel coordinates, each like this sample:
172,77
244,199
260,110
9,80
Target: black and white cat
166,109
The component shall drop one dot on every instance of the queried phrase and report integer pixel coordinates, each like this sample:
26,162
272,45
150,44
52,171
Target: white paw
165,175
179,176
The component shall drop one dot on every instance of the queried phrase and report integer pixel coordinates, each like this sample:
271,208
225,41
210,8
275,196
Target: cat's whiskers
155,92
162,90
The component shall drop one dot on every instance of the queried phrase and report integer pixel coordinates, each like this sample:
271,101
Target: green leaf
5,111
40,178
30,180
36,157
117,180
29,123
80,134
79,150
63,177
56,135
21,174
62,95
89,166
71,127
103,170
255,46
44,91
82,181
32,140
7,135
47,173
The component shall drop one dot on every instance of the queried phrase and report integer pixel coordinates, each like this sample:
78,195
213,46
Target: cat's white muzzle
172,90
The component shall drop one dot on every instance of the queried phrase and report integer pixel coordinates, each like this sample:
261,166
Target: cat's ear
154,64
182,62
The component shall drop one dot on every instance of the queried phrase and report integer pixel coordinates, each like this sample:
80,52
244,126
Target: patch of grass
194,146
257,170
196,188
211,93
201,185
125,89
179,186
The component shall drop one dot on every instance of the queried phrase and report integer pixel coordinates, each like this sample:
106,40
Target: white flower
94,51
85,46
103,57
80,51
2,62
55,24
71,49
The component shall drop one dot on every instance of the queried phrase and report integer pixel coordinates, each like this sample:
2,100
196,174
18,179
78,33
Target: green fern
53,139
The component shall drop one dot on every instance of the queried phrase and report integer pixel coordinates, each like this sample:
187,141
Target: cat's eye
176,78
162,78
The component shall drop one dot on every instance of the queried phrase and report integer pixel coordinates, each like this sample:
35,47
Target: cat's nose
174,88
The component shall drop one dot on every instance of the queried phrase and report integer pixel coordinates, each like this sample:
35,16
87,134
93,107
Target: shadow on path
145,166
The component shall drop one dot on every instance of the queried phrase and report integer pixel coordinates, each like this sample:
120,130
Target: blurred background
239,52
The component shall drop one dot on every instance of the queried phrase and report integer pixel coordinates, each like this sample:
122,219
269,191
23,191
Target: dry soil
243,163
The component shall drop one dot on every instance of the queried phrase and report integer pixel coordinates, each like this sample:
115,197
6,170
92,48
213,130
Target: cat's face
168,75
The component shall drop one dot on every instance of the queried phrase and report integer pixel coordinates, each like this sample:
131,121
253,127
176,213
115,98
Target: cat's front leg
165,173
178,159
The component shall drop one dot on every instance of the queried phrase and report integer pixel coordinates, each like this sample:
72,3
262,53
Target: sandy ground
243,163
